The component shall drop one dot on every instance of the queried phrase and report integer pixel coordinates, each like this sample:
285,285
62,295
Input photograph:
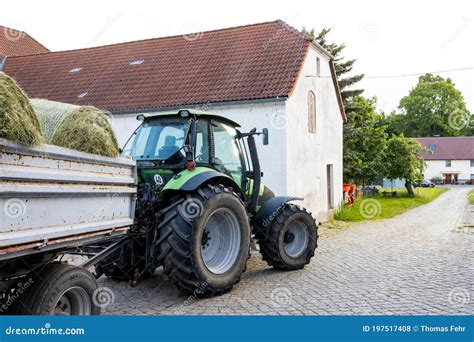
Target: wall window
472,162
472,176
311,112
448,163
318,66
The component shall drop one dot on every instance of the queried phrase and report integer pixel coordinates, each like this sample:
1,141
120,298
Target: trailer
54,201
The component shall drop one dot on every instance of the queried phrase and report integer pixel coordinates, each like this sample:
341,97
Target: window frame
205,124
311,114
244,167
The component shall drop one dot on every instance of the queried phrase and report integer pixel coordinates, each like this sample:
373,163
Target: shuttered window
311,112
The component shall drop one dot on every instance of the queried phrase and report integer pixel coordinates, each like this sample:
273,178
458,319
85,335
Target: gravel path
419,263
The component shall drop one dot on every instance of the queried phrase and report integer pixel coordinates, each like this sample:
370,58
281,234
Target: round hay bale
85,129
18,121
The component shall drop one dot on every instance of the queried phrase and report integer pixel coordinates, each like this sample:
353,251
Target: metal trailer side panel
51,192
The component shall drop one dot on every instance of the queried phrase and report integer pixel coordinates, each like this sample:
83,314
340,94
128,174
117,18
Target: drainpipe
2,63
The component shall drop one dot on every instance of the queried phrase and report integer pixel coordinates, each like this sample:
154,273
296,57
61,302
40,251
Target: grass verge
470,196
379,207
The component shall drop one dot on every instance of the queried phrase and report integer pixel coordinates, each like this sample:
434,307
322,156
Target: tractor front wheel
290,240
206,241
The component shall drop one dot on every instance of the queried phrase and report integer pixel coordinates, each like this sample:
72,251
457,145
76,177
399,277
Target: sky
388,38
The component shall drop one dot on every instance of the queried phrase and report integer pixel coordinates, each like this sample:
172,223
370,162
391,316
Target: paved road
417,263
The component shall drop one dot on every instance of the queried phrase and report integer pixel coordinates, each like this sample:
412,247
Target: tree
404,160
364,142
433,107
364,137
342,66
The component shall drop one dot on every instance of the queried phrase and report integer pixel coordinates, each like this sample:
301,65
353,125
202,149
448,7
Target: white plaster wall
258,114
435,168
309,153
124,126
272,156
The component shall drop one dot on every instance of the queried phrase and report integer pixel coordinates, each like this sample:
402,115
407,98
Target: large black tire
273,239
184,233
50,283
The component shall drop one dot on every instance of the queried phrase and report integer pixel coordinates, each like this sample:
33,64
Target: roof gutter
338,90
206,106
322,50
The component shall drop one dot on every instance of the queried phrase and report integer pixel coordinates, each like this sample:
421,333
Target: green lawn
378,207
470,196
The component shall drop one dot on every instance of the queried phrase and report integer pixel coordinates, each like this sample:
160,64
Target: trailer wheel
206,241
60,289
291,239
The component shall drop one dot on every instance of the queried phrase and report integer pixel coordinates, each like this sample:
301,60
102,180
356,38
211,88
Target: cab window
227,157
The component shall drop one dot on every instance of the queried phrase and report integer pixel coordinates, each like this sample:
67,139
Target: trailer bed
51,196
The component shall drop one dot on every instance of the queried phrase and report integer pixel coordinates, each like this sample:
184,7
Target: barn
266,75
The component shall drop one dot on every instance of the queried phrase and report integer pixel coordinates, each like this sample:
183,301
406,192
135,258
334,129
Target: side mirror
265,136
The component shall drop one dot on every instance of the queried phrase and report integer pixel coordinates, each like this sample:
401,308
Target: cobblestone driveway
416,263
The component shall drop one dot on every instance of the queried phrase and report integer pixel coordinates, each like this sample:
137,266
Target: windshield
158,140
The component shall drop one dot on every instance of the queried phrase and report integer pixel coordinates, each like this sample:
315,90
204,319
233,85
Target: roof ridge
269,65
278,21
37,42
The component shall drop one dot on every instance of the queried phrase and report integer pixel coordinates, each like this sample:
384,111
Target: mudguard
190,180
270,209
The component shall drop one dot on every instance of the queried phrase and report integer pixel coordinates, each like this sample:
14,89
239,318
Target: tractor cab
166,144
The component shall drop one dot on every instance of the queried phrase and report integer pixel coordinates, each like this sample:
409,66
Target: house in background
451,159
17,43
263,75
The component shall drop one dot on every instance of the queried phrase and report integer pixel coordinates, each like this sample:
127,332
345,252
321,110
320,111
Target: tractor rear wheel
290,240
206,241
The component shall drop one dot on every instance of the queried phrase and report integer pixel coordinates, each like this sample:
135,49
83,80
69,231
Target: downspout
3,62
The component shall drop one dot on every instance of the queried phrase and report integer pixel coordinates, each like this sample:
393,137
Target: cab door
227,156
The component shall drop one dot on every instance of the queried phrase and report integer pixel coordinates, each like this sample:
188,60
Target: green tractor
201,202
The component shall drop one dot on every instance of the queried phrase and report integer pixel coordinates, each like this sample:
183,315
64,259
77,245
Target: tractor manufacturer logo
158,179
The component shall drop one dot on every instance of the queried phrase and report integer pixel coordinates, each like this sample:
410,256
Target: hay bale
18,121
83,129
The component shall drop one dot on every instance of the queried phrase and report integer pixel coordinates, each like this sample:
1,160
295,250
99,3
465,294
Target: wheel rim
73,302
296,239
220,243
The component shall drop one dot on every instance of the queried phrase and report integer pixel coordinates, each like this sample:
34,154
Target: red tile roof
243,63
18,43
448,148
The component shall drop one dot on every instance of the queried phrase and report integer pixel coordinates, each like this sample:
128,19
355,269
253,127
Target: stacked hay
84,129
18,121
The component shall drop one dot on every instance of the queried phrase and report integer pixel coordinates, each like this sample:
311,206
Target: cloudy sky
390,39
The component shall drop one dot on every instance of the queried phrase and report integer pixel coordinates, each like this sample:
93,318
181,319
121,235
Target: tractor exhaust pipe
257,174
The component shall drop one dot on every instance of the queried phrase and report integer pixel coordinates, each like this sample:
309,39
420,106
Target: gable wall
309,153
